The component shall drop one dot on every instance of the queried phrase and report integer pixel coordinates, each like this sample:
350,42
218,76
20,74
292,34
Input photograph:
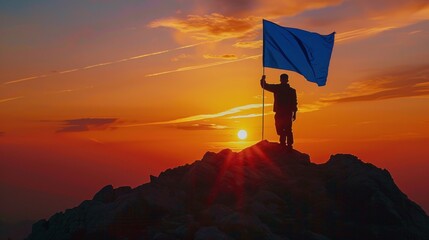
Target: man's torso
284,99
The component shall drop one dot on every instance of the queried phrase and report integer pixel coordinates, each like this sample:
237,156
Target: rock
105,195
163,236
152,178
262,192
215,213
210,233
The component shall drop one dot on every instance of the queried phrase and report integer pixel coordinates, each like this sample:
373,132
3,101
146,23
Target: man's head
284,78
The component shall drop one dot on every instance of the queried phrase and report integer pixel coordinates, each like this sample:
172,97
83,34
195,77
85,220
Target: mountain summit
262,192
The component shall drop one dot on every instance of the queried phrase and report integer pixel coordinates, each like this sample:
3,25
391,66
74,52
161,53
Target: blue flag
297,50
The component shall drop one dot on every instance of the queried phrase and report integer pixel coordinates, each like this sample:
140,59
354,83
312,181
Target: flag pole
263,84
263,103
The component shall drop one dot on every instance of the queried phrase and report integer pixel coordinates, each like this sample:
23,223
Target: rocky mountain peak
262,192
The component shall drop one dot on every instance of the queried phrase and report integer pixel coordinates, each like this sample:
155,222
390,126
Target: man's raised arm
267,86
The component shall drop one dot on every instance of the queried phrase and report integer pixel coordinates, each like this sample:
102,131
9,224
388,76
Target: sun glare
242,134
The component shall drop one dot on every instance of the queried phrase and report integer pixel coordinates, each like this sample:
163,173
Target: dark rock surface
16,230
262,192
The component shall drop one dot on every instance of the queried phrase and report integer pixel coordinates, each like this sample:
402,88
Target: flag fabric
306,53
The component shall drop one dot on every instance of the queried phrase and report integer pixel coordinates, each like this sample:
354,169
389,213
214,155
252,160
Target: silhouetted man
285,107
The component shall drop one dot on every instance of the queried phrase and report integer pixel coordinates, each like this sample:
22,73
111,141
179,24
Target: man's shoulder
291,88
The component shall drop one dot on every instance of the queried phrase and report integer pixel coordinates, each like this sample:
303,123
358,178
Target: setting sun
242,134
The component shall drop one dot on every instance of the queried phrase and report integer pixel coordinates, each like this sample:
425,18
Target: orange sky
107,92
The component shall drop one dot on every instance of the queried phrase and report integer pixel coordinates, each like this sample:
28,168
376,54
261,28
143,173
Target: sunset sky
104,92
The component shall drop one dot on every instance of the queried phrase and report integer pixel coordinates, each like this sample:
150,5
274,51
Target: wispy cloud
95,140
361,33
180,57
311,107
104,63
51,92
211,27
182,69
415,32
202,126
224,56
281,8
266,8
70,90
360,19
398,83
199,116
87,124
252,115
303,108
249,44
10,99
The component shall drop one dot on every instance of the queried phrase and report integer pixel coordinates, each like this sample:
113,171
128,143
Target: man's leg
279,122
289,133
290,139
282,139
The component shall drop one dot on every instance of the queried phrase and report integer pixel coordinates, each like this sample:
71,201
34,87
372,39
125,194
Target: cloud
228,7
87,124
71,90
414,32
374,12
103,64
202,126
251,115
311,107
281,8
211,27
360,33
200,116
180,57
398,83
261,8
225,19
189,68
95,140
10,99
224,56
302,108
249,44
355,19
